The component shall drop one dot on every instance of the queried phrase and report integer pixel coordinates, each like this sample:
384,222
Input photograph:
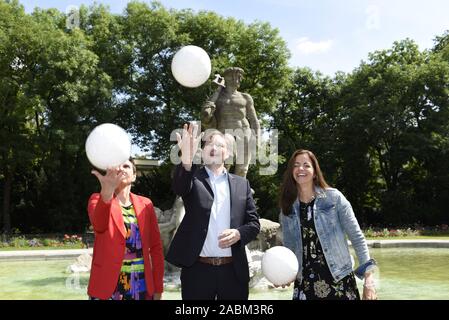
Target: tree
393,107
18,111
53,91
157,103
58,84
442,45
308,117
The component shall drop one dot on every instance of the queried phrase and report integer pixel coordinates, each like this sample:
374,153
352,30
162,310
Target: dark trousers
203,281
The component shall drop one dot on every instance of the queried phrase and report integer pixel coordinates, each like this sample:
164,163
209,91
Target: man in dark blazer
220,219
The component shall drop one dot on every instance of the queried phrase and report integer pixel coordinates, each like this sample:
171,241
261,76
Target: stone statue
231,111
169,221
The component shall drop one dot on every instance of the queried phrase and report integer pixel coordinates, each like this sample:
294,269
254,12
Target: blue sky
325,35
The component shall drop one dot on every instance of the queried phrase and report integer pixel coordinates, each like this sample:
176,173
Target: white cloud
306,46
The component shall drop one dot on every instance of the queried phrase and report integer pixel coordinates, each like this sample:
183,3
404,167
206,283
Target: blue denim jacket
334,218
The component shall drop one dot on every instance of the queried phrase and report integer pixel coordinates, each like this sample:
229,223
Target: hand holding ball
280,265
191,66
107,146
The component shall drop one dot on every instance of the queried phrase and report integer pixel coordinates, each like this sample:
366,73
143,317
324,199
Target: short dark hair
209,133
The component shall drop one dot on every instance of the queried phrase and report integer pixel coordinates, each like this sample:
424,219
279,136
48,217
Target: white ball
191,66
280,265
108,145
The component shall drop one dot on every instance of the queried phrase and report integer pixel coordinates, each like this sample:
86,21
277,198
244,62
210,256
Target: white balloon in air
108,145
191,66
279,265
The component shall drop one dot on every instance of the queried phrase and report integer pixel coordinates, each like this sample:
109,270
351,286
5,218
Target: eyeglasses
217,145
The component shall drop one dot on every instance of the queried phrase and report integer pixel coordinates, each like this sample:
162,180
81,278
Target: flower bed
440,230
65,241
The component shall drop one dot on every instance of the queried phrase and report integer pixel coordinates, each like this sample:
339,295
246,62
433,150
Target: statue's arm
251,114
216,94
208,109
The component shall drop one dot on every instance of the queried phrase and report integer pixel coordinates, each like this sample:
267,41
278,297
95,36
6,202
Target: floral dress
131,282
317,281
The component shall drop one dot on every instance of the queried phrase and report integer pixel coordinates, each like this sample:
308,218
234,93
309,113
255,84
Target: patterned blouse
317,280
131,282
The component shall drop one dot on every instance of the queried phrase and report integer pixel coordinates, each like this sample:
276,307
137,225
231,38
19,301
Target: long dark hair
289,191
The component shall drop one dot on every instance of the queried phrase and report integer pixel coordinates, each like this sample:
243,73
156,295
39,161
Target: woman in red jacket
128,260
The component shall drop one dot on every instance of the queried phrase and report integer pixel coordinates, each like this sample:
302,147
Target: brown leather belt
216,261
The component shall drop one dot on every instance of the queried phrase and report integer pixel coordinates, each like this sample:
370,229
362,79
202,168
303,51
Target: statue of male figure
229,109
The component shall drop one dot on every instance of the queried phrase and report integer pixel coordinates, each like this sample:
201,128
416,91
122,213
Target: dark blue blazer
195,189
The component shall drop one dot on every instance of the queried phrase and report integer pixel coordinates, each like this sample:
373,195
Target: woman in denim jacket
315,220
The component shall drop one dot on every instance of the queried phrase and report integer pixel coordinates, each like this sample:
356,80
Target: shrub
34,243
46,242
18,242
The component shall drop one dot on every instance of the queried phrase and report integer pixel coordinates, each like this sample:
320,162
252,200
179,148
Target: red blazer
109,246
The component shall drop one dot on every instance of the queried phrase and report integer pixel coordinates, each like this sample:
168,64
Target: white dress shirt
220,215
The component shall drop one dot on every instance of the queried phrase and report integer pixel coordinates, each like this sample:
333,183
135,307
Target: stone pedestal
270,236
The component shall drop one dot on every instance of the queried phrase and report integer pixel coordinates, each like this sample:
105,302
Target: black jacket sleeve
251,228
182,180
